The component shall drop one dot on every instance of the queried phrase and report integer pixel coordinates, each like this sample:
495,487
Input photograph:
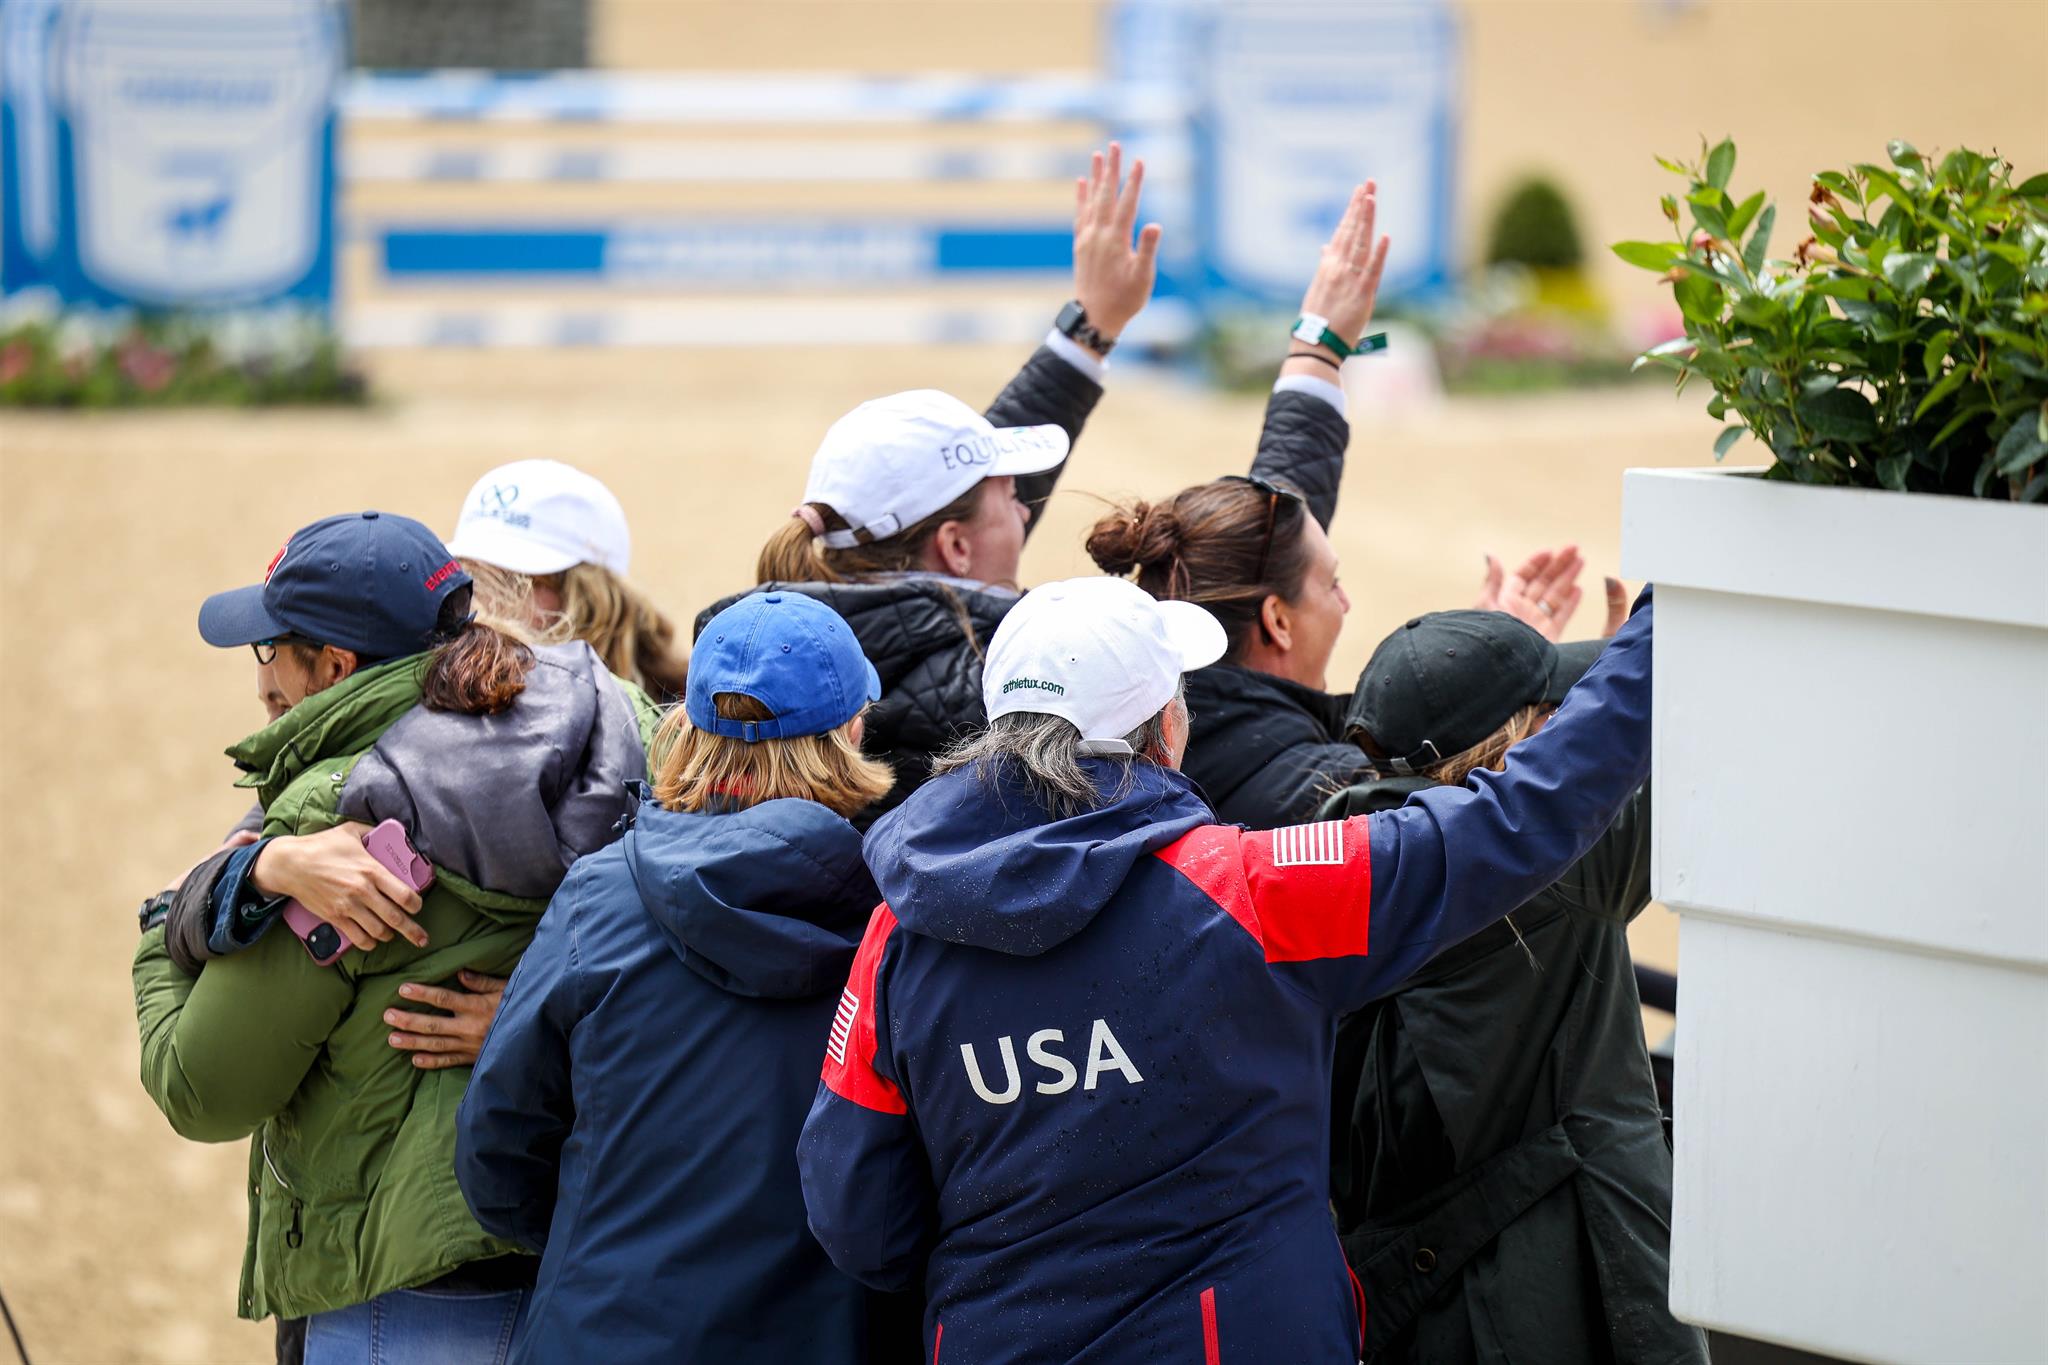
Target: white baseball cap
541,517
892,462
1099,652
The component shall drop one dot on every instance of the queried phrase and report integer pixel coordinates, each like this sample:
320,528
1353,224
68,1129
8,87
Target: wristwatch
1314,328
1073,324
155,909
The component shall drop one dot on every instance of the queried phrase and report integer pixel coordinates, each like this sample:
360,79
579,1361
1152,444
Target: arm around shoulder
1454,859
1348,909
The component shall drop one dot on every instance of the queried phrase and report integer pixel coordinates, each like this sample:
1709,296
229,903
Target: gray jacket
507,802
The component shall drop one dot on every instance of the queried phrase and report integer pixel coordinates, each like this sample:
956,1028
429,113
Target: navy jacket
1083,1064
635,1111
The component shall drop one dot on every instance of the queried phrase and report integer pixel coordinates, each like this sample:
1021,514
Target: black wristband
1315,356
1073,324
155,909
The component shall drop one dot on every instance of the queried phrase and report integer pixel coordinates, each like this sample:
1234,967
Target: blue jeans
418,1327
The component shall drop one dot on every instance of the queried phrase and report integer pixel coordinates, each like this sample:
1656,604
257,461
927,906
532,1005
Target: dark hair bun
1139,535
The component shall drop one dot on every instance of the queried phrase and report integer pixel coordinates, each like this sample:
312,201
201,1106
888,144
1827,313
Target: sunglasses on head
1274,492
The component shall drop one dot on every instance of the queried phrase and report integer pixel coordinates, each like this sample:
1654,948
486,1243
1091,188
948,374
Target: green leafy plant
92,359
1903,345
1535,227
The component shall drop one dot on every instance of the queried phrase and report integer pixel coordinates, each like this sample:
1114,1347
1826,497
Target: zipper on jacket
1211,1350
295,1235
271,1166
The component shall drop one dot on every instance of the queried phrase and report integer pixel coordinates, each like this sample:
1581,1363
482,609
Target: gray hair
1045,751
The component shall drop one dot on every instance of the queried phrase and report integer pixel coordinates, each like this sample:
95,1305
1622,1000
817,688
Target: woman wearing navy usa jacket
1079,1077
634,1115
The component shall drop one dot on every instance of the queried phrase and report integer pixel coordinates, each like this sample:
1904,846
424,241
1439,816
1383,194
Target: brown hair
628,632
478,669
795,554
1491,752
1204,545
693,767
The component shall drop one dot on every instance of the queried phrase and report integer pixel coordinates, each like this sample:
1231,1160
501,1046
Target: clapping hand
1544,592
1112,280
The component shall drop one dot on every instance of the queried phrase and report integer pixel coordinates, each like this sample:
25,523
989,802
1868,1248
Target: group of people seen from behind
899,965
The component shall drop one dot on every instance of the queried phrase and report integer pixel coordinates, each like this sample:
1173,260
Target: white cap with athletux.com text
1101,653
542,517
892,462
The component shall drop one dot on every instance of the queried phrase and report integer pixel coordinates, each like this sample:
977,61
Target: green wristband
1315,330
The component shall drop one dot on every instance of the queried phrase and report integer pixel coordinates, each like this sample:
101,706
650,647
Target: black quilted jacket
1266,751
926,637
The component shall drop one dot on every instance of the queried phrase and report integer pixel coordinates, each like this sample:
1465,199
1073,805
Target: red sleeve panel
850,1049
1304,892
1312,885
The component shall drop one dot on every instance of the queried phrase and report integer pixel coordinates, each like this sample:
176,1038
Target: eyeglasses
266,650
1274,492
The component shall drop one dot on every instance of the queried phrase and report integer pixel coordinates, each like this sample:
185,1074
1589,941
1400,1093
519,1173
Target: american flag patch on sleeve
842,1025
1318,845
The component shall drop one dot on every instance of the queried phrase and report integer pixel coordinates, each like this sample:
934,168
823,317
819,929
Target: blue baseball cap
372,582
791,653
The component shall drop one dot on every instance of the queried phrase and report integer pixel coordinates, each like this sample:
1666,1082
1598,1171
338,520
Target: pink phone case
387,844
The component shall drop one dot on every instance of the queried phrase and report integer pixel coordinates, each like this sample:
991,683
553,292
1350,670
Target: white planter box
1851,769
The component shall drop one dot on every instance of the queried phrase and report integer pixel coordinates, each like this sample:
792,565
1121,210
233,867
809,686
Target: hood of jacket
979,861
766,901
925,636
507,802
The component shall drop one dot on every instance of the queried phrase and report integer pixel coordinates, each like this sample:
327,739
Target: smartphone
388,845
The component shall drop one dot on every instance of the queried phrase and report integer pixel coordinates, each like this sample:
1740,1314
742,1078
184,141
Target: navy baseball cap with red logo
371,582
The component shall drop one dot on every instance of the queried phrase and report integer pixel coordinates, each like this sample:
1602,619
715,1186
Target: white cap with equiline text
892,462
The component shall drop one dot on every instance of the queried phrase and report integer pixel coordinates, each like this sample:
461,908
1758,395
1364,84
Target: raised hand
1544,592
1347,279
1112,280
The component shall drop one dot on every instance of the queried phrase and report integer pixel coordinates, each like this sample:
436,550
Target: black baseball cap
1444,682
372,582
